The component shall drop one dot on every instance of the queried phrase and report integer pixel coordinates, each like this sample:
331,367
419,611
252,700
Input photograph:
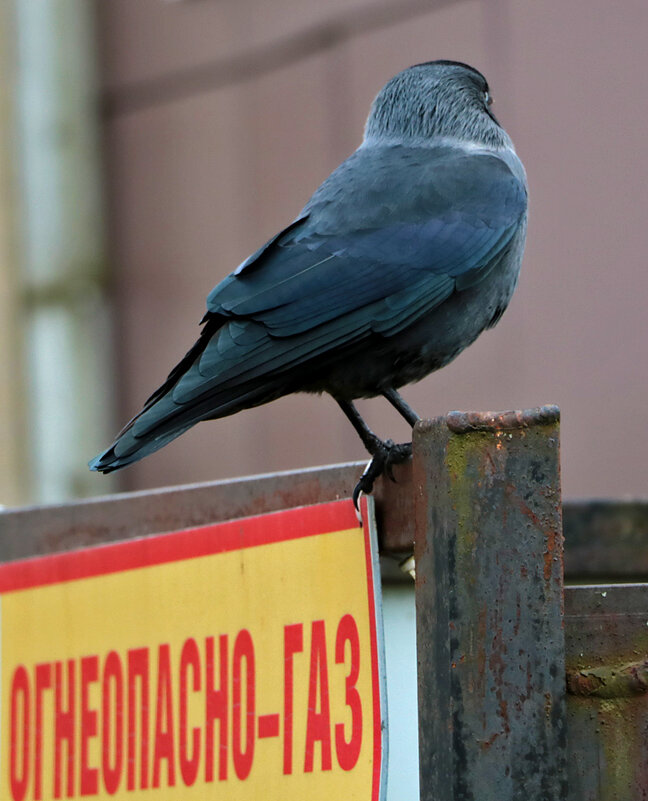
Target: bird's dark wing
388,237
382,223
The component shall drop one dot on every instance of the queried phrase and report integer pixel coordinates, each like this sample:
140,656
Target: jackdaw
401,258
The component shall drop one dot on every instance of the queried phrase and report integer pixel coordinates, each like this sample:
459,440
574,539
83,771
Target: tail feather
130,447
163,419
108,460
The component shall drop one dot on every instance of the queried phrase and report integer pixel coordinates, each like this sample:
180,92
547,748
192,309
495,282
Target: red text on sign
124,720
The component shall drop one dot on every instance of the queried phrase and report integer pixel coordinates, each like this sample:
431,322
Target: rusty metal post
489,595
606,634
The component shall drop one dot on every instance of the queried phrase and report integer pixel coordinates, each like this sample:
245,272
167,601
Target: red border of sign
379,769
246,532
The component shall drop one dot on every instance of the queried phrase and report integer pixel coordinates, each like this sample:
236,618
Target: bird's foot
386,455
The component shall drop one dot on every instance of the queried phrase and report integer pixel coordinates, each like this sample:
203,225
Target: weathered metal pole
489,594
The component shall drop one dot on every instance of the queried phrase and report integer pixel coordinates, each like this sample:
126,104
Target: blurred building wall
220,117
13,466
54,342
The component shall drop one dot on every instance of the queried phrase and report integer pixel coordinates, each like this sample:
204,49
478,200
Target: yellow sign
233,661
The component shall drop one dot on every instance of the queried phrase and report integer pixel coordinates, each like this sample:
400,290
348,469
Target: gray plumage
401,258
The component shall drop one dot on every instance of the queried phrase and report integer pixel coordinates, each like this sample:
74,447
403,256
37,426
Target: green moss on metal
464,454
621,744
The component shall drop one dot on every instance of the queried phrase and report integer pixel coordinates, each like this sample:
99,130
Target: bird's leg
384,453
406,411
401,406
371,442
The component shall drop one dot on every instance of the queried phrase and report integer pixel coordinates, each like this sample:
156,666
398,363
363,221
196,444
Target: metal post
489,594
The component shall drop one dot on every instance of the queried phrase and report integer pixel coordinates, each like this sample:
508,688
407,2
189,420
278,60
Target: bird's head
438,99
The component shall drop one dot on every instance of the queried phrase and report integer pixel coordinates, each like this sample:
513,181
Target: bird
407,252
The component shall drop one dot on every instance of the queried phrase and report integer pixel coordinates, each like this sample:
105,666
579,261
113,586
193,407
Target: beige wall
221,118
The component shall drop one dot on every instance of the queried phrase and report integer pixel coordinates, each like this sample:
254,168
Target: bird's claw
371,473
386,456
392,459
